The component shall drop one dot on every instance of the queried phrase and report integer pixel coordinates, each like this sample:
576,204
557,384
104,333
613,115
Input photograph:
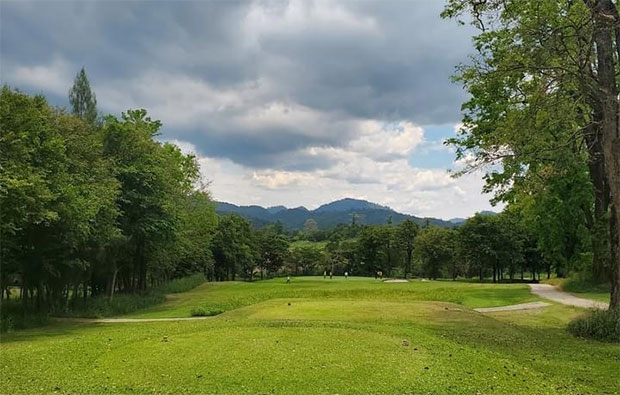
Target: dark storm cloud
349,60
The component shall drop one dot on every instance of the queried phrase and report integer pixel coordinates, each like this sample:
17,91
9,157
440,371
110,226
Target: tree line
94,204
495,248
543,121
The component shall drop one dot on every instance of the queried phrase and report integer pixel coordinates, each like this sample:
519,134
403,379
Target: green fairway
231,295
317,336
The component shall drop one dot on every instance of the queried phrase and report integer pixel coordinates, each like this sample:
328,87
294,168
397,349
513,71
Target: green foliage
492,243
92,208
14,316
202,312
179,285
603,325
406,233
435,247
542,107
310,257
234,248
102,306
82,98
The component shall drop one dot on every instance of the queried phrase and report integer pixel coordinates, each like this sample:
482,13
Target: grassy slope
231,295
322,343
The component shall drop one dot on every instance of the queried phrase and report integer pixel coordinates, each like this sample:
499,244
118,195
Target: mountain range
328,215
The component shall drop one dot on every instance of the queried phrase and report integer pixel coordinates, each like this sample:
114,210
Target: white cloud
421,192
298,16
54,77
383,141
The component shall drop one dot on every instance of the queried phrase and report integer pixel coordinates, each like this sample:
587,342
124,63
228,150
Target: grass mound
229,296
603,325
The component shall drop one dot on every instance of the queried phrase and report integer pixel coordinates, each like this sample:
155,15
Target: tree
407,231
58,197
544,82
435,248
233,248
82,99
154,179
310,226
370,245
307,255
273,248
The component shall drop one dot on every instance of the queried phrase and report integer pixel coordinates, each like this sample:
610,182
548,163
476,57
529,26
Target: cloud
288,101
54,77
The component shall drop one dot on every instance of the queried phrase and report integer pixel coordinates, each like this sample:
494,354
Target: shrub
581,284
102,306
124,303
603,325
205,312
13,316
181,284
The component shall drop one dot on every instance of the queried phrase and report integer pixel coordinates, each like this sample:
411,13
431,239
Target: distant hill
349,204
327,216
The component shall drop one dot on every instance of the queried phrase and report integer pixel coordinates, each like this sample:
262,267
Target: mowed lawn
316,336
228,296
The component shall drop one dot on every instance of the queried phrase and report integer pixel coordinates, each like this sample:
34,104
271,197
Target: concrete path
124,320
522,306
547,291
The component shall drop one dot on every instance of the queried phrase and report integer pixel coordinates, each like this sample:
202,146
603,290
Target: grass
601,325
353,336
232,295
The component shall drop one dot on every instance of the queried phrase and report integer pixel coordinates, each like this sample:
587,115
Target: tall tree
544,82
82,99
407,231
435,248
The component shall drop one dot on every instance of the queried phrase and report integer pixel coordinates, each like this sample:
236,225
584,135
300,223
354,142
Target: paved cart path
514,307
115,320
547,291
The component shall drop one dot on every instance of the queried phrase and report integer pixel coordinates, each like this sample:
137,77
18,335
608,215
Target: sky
283,102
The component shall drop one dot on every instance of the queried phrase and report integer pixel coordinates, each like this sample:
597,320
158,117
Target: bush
603,325
122,303
13,316
581,284
102,306
181,284
204,312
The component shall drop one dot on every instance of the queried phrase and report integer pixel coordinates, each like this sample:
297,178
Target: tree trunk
599,224
112,284
408,266
605,19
